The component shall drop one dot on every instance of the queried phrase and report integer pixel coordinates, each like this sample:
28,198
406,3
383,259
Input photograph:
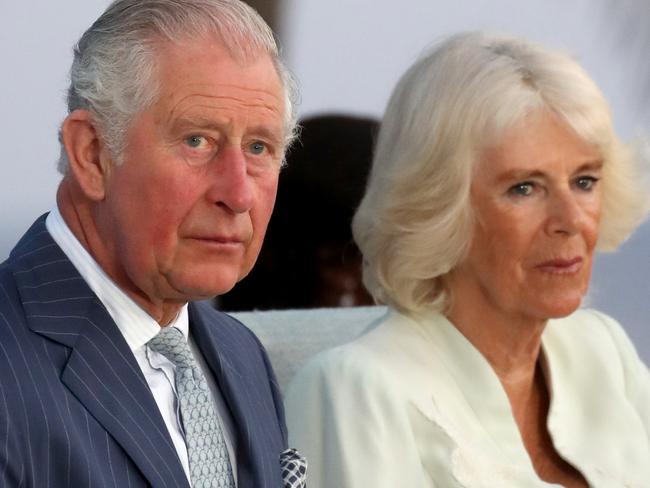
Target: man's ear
88,158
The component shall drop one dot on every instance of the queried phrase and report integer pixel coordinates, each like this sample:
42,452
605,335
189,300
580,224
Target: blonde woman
497,174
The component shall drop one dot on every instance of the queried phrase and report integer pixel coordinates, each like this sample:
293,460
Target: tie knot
171,343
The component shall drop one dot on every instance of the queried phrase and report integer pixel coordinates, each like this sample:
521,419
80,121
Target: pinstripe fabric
74,407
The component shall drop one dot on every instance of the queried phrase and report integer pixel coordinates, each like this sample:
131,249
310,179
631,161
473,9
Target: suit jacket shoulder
75,409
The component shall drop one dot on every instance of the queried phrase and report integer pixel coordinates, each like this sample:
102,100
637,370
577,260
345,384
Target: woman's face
537,203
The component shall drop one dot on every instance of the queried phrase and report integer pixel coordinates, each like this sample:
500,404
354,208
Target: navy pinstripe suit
75,410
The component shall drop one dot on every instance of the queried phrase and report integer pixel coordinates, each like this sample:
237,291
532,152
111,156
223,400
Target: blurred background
347,56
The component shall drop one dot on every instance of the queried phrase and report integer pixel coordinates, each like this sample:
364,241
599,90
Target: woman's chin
563,308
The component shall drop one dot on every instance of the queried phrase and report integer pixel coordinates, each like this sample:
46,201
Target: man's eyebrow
271,132
197,123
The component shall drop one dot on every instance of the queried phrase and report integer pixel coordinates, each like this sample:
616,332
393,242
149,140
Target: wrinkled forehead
213,62
245,56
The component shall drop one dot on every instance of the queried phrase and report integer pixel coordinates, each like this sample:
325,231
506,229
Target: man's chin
204,290
197,294
204,282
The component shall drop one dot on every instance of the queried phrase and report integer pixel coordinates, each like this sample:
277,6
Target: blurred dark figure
309,259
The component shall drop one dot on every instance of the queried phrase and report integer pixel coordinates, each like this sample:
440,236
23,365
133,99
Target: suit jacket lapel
101,371
226,360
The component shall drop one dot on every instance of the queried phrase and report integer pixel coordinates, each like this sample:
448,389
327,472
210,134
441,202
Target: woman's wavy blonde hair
415,222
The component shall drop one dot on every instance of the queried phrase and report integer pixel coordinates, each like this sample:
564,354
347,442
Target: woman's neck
511,344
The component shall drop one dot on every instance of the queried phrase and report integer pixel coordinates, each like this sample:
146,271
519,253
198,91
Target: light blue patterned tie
206,446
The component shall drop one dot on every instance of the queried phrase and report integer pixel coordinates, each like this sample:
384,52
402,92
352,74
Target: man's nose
232,187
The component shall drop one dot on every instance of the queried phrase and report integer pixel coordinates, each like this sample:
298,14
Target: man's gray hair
113,74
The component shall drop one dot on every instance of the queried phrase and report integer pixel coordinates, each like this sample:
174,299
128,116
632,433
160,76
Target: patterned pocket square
294,469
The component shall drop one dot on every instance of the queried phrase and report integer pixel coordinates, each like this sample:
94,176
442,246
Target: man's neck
77,213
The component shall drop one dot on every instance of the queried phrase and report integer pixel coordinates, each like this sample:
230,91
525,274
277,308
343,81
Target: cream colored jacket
415,405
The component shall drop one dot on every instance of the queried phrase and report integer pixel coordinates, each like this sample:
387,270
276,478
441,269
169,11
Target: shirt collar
136,325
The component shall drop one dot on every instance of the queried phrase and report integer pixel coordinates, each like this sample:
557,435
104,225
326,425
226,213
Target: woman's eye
522,189
257,147
195,142
586,183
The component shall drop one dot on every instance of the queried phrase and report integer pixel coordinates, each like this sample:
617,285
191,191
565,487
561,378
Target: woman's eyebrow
594,165
522,173
519,174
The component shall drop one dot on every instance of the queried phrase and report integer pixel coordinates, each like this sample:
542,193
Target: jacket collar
242,384
101,371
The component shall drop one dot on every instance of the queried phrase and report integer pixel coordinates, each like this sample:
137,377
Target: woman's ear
88,159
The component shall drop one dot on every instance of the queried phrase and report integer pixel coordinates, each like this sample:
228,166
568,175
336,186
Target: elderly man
179,115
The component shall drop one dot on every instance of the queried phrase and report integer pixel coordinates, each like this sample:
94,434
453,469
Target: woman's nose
566,215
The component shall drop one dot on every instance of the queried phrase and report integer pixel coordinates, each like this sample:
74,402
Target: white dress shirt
138,328
412,403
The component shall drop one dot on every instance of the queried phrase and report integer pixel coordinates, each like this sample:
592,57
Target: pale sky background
347,55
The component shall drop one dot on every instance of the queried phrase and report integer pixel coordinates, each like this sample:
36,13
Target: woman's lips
561,266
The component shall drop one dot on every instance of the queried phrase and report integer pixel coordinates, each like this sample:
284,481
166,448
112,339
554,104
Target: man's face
185,214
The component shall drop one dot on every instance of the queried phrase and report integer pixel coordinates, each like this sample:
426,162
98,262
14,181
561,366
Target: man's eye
195,141
257,147
522,189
